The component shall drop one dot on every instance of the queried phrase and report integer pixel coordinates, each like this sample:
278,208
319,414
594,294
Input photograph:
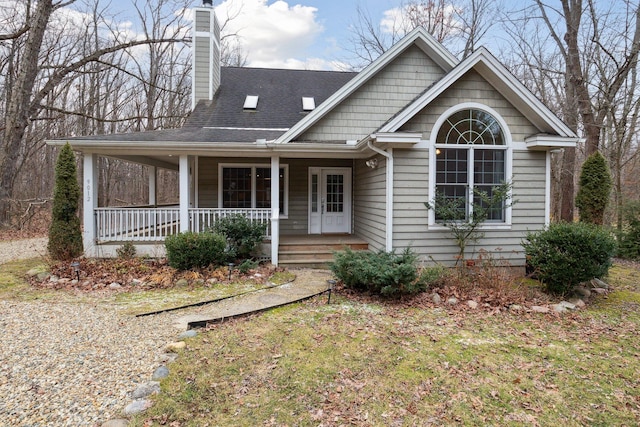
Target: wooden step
314,254
321,247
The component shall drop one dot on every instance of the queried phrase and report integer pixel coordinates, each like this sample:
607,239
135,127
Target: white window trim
508,162
253,167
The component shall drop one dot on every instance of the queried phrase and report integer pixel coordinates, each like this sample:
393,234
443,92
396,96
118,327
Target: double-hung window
470,154
249,187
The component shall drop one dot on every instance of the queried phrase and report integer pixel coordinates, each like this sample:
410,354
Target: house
347,155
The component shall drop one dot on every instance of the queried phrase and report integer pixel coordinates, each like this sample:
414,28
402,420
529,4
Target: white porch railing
136,224
155,224
200,219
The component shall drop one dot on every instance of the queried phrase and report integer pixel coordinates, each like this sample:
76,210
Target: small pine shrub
565,255
594,189
191,250
247,265
126,251
385,273
65,238
243,236
629,246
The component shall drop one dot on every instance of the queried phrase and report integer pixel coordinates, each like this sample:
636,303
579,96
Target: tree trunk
17,118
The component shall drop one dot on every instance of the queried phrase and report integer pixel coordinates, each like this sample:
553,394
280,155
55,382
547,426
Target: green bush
629,246
594,189
382,272
65,238
243,236
190,250
565,255
126,251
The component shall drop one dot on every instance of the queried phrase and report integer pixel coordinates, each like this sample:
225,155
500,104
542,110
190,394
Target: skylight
251,102
308,103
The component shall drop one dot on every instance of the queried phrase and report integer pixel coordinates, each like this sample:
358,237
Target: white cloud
272,35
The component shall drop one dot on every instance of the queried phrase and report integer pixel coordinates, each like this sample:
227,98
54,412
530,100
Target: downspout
389,196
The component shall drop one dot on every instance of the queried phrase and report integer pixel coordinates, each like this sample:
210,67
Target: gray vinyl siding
298,218
203,20
379,99
472,88
202,65
411,216
369,203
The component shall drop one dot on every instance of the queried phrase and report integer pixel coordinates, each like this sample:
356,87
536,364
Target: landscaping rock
54,279
137,282
115,286
599,284
146,390
472,304
436,298
559,308
137,406
187,334
174,346
567,305
43,276
577,302
118,422
34,272
452,301
599,291
160,373
582,292
515,308
168,357
182,282
540,309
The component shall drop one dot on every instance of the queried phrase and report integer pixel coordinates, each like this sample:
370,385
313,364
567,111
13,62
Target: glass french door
329,200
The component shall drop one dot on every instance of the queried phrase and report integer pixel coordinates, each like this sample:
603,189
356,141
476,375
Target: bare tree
597,47
40,61
459,25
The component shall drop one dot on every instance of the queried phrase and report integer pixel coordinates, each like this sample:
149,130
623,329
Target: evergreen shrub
243,235
191,250
65,238
385,273
629,242
564,255
594,189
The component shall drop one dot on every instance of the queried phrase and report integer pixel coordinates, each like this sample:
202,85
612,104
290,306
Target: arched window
470,154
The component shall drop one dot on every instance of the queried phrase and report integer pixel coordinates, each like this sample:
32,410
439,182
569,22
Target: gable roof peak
419,37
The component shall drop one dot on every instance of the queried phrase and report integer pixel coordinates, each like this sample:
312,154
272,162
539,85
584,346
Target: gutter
389,196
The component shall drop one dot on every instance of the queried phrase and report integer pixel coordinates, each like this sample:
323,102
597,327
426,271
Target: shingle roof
224,119
280,97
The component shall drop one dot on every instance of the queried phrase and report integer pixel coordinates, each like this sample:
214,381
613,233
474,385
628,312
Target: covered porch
310,211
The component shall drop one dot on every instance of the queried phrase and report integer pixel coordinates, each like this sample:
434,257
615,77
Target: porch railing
155,224
136,224
201,219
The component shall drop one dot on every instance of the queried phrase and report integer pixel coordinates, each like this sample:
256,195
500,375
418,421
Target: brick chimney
205,54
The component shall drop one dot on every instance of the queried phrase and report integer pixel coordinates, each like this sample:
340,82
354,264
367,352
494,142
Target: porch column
275,208
152,186
185,196
90,203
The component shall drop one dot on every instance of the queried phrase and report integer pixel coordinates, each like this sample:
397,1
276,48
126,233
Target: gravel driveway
22,249
72,363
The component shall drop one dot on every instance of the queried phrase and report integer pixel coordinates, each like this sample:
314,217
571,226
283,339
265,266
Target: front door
329,200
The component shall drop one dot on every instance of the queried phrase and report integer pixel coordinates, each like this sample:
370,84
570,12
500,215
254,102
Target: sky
312,34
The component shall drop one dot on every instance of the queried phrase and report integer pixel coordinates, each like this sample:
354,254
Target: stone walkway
308,283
